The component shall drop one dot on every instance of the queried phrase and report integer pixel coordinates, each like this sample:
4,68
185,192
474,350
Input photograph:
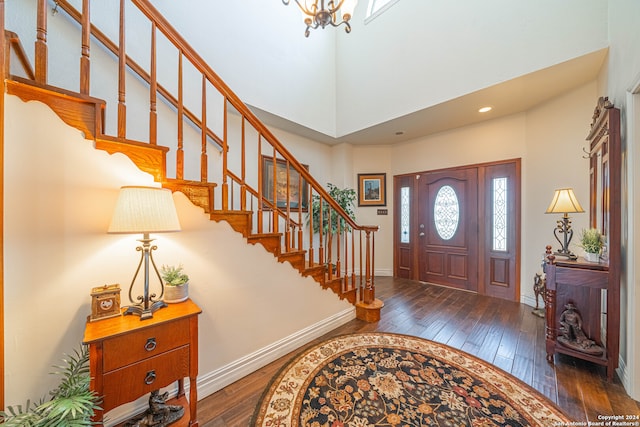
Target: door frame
406,255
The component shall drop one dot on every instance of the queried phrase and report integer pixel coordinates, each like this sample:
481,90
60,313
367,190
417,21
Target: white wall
415,55
335,84
421,53
549,139
59,197
259,49
622,77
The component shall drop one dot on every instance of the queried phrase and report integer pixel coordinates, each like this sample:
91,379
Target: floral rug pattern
375,379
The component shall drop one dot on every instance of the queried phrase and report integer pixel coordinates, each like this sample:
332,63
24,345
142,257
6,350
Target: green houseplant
591,241
176,283
345,197
71,404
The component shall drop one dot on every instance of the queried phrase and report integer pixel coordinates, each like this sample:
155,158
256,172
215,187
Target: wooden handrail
185,48
163,26
133,65
336,248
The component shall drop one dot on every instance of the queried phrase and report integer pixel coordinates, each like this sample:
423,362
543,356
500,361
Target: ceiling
506,98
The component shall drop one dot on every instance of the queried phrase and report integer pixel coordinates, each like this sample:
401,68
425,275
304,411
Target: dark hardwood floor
504,333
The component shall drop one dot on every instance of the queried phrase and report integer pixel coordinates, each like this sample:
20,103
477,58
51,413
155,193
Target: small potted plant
591,241
176,283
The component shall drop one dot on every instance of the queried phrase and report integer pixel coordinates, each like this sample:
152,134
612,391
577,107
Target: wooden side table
129,357
589,287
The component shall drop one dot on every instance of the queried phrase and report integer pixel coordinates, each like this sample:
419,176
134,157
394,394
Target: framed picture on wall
297,194
372,189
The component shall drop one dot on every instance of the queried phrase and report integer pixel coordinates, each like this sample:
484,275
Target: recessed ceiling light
484,109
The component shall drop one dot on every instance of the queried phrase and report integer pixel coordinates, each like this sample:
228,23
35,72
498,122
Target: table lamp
564,202
145,210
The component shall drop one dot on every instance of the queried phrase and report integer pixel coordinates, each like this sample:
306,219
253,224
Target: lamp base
569,255
145,313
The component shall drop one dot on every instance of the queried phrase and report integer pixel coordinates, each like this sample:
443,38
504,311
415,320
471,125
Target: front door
448,228
460,227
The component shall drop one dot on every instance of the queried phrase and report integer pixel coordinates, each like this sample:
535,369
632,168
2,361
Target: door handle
421,234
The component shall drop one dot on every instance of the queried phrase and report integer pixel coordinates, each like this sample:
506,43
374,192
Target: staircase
223,158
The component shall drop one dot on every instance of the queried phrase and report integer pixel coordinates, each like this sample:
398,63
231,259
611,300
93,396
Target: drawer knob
150,377
151,344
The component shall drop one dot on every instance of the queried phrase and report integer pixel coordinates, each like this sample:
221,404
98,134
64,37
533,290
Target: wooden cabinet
594,288
587,286
129,357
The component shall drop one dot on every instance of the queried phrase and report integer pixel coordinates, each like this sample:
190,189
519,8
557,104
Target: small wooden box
105,302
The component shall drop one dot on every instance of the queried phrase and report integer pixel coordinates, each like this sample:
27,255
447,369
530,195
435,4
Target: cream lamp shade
144,210
564,201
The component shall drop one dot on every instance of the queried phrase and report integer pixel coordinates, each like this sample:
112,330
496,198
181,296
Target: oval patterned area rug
379,379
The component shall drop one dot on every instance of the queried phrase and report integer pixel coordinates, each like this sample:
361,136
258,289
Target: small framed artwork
372,189
297,194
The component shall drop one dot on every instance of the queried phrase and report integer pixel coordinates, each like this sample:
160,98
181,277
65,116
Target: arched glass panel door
448,245
446,212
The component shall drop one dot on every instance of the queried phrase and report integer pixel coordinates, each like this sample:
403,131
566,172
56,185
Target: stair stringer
241,221
87,115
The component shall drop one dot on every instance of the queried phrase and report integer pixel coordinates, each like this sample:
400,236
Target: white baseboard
383,272
529,300
623,373
215,380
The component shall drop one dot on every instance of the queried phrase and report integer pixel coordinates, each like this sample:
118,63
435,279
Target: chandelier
320,13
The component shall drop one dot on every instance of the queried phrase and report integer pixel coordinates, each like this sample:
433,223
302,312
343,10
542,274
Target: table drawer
126,349
129,383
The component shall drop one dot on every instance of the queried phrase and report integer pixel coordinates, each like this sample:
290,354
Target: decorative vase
592,257
173,294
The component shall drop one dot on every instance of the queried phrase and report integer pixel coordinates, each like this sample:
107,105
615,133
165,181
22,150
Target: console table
586,285
594,288
129,357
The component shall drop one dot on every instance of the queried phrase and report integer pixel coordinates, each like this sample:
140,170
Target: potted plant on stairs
176,283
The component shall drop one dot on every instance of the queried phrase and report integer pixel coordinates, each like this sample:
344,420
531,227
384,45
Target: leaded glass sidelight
404,214
500,214
446,212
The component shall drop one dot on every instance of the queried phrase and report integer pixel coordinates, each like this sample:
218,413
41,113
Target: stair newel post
203,134
338,244
180,150
361,276
321,233
372,276
329,248
86,39
122,63
41,43
153,88
369,292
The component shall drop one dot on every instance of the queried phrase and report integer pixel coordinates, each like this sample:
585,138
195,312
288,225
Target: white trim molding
216,380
